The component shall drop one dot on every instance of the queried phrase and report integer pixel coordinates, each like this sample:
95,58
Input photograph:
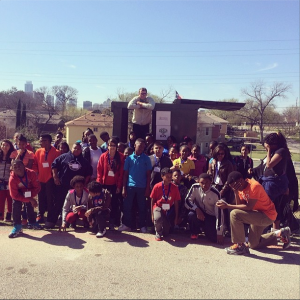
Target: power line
147,43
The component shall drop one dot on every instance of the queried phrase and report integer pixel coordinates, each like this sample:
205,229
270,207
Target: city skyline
205,50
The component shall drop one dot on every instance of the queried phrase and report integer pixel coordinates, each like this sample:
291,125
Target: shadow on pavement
56,238
122,237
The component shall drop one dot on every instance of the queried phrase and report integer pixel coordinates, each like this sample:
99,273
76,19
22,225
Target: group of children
167,186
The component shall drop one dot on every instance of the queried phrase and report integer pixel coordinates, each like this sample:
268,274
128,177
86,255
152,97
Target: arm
147,192
176,203
133,103
150,105
125,179
242,206
55,176
272,161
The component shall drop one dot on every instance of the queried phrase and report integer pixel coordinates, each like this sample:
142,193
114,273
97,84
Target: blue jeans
141,202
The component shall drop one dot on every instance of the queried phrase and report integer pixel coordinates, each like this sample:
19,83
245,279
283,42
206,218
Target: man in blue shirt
136,183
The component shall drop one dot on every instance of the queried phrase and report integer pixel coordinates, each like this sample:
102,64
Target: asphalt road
77,265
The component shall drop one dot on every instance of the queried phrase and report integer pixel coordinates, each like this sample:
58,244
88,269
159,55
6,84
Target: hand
200,215
63,227
220,239
87,213
250,171
124,192
267,146
222,204
33,202
56,180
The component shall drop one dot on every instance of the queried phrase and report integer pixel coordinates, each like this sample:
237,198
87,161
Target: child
244,162
165,198
185,165
203,212
24,187
199,160
173,153
75,204
98,207
183,190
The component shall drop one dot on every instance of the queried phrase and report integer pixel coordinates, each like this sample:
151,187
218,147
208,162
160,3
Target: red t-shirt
157,194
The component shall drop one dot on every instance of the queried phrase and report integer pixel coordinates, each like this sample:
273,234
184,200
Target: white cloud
269,67
72,66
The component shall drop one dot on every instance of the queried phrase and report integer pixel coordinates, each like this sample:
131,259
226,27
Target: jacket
226,168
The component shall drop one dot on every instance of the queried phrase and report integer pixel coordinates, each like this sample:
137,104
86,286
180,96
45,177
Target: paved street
49,264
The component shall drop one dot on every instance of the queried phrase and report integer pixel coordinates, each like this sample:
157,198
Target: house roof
208,118
92,119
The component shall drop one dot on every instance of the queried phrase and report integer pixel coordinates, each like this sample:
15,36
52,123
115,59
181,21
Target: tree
64,95
47,99
23,115
18,116
230,116
262,97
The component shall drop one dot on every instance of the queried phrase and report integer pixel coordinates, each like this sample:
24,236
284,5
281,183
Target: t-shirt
254,190
157,165
200,165
280,168
185,166
157,194
137,166
95,155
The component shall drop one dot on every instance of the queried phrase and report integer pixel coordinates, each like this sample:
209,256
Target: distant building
209,128
96,106
88,105
29,88
72,102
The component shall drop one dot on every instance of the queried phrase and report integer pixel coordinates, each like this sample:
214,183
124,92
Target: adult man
58,139
254,207
64,168
142,111
43,158
136,183
105,138
23,187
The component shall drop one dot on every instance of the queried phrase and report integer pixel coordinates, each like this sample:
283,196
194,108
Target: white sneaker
101,234
123,227
143,230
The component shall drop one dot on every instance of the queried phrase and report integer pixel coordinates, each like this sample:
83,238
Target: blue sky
206,50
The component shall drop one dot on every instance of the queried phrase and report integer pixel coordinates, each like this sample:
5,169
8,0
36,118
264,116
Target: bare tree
264,96
45,96
64,95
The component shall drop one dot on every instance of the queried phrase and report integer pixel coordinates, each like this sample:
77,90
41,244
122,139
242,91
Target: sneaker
237,249
143,230
16,231
101,234
123,227
8,217
49,225
24,222
286,237
194,236
34,226
158,237
40,219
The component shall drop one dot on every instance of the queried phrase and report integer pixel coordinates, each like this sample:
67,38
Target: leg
17,208
127,206
30,212
58,201
53,210
2,203
101,218
42,205
194,222
158,220
210,227
141,201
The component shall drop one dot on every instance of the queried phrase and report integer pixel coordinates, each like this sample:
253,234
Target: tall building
88,105
29,88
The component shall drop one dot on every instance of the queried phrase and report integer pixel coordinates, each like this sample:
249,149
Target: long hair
116,163
217,149
11,149
278,139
